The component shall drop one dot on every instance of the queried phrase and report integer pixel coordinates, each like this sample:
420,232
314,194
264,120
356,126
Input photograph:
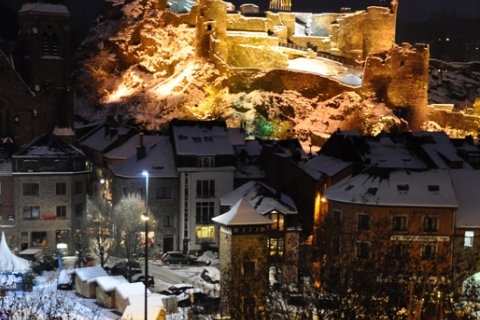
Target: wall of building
381,233
160,208
47,200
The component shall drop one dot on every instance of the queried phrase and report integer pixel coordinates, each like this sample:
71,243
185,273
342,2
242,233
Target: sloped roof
322,164
44,7
242,214
109,283
465,183
159,161
261,197
154,299
126,290
129,147
199,140
10,262
431,188
89,274
103,137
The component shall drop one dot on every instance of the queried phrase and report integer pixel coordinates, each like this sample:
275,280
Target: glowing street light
146,218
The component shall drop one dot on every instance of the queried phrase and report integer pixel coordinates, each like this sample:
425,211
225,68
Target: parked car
140,277
122,269
176,289
176,257
65,280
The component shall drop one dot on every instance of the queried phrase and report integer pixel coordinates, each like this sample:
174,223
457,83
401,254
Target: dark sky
412,23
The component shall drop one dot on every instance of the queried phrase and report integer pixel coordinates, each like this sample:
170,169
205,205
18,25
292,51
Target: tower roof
242,214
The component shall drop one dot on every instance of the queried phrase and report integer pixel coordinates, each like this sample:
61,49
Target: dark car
176,289
122,269
175,257
140,277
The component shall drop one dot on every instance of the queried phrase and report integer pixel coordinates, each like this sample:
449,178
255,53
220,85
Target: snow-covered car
65,280
176,289
122,269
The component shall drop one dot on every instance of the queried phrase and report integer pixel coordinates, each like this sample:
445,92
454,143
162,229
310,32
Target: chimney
140,149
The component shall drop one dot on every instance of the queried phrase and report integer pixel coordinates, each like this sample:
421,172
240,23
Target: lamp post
146,218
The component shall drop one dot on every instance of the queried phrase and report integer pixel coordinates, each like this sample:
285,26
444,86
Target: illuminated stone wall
400,78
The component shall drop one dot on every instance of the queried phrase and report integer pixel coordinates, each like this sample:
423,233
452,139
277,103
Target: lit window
278,221
276,247
39,239
469,235
205,232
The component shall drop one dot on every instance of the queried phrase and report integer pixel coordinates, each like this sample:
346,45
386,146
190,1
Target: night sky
418,20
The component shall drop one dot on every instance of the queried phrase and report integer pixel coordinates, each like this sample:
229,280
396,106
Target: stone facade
244,273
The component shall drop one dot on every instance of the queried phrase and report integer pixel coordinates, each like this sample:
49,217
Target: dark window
168,221
61,211
428,251
61,188
61,165
141,192
78,187
31,212
249,268
399,223
433,188
337,217
402,188
124,191
206,162
31,189
400,251
430,224
205,212
163,193
363,250
79,209
336,245
363,222
372,191
205,188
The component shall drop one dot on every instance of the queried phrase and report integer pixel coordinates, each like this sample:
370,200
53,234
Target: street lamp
146,218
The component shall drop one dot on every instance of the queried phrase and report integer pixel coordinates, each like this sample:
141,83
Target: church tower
44,59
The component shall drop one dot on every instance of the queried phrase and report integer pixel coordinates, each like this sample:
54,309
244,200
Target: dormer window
434,188
372,191
206,162
402,188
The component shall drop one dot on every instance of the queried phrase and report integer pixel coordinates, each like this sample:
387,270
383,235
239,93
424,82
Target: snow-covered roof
398,188
385,153
322,164
237,136
263,198
129,147
154,299
242,214
202,141
136,312
125,290
44,7
10,262
48,146
109,283
440,149
159,161
465,183
102,137
90,274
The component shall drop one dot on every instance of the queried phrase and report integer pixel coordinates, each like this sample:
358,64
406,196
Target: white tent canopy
10,262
